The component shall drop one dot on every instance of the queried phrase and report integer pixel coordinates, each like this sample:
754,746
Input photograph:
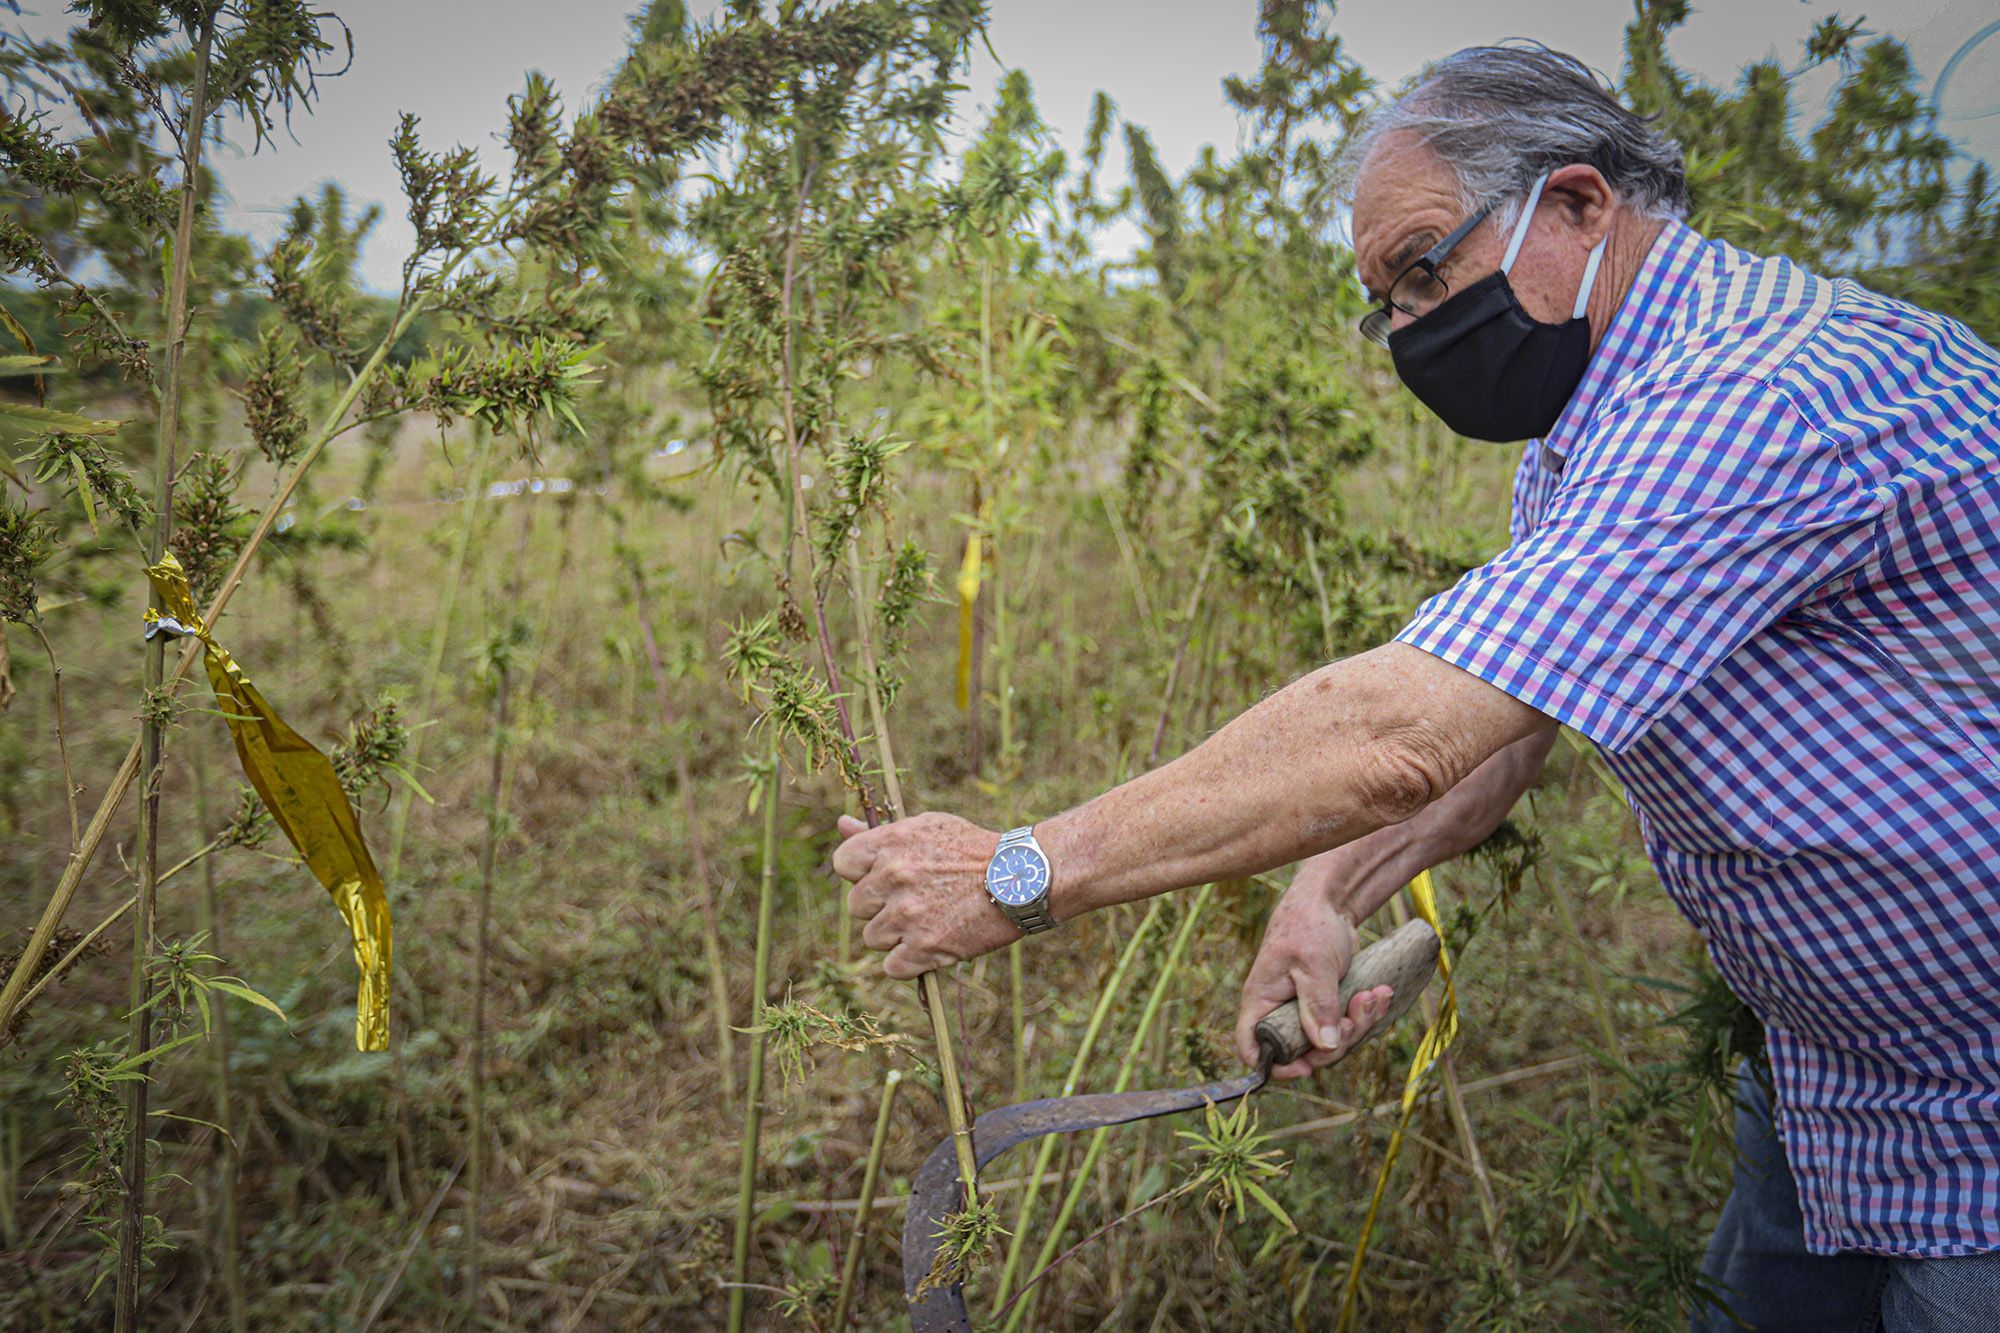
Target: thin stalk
1461,1123
1188,621
62,738
152,739
711,935
1032,1283
1045,1152
1132,574
440,638
1003,660
864,1206
488,858
225,1103
930,986
1600,1001
753,1088
1126,1068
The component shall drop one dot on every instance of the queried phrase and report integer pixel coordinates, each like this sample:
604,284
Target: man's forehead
1403,196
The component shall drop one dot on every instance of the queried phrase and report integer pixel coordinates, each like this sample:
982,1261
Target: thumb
848,826
1320,1010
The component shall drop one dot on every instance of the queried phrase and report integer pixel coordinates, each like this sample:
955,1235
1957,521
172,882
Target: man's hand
920,885
1307,947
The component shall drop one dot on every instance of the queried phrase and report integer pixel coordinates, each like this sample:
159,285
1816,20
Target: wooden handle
1402,961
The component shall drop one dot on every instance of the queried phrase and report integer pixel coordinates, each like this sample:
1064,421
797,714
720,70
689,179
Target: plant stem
488,858
62,738
1188,621
1126,1067
851,1267
152,740
1032,1283
753,1088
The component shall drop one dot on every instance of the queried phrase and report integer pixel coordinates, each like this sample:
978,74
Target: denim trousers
1758,1257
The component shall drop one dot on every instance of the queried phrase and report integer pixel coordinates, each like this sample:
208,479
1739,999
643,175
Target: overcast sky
454,63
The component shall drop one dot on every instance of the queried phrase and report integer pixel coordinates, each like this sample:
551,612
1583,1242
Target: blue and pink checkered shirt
1758,562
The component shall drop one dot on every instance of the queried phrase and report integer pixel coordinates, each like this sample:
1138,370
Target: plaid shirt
1758,562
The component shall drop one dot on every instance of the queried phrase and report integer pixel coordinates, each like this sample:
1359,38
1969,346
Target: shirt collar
1643,325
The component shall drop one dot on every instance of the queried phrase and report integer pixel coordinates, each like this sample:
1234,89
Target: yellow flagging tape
1437,1040
968,604
303,794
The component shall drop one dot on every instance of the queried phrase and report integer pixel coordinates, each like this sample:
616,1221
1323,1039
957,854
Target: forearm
1350,748
1362,875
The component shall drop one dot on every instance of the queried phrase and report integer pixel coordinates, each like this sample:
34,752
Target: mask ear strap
1589,277
1521,227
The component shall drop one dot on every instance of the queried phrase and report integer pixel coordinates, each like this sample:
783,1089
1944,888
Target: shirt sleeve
1691,515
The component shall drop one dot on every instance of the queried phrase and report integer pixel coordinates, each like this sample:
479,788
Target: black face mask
1489,369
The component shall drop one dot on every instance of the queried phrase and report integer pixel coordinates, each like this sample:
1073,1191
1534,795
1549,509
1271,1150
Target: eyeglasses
1419,288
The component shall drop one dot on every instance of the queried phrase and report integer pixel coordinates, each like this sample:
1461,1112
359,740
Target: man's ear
1586,199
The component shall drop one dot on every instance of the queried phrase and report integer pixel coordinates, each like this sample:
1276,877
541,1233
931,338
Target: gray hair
1500,116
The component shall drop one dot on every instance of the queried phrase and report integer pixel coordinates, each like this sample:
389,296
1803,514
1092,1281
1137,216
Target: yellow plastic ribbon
304,796
1437,1040
968,602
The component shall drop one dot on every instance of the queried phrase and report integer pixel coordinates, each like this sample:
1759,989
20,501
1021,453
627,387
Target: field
563,610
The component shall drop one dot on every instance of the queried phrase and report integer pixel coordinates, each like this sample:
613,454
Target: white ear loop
1589,276
1521,234
1521,227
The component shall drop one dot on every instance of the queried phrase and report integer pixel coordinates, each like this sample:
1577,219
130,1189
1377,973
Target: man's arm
1362,875
1310,937
1350,748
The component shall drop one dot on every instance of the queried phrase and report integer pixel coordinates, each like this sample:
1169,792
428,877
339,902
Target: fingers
1364,1010
881,933
857,853
905,964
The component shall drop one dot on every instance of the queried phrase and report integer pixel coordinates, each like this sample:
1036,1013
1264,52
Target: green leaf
243,992
24,365
83,492
1258,1193
126,1069
29,420
195,1120
411,778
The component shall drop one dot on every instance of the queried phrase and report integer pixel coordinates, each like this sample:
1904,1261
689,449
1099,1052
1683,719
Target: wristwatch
1018,880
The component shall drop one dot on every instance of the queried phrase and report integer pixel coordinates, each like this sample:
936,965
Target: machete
1402,961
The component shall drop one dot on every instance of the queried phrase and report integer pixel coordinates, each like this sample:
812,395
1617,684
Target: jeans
1758,1257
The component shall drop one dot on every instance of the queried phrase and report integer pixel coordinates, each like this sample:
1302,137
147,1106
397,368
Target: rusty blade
942,1308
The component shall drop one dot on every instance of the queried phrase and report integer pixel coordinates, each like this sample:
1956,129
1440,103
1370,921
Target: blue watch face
1017,876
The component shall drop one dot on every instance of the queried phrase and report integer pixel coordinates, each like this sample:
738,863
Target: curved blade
942,1308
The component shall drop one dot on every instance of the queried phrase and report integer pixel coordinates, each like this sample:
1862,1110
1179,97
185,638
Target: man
1756,558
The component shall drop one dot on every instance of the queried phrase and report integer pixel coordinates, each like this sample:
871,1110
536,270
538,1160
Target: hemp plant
813,222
